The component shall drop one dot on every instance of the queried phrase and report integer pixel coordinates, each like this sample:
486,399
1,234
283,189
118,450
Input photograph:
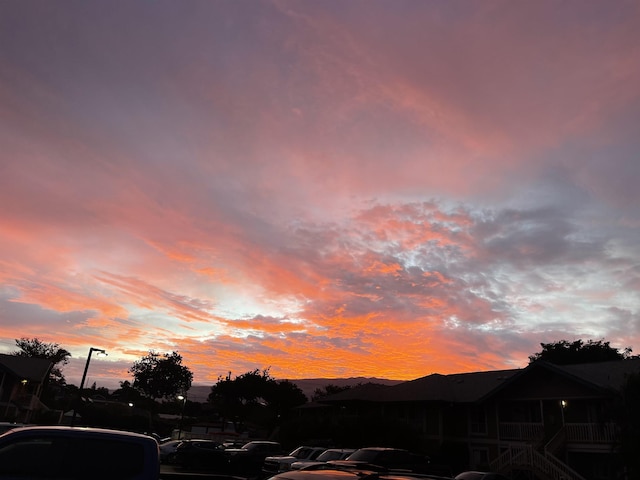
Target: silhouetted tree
161,376
33,347
281,396
126,393
129,395
564,352
254,396
96,391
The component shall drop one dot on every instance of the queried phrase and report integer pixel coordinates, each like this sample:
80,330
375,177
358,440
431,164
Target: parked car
474,475
168,450
202,454
326,456
76,453
282,463
331,474
249,458
379,458
6,426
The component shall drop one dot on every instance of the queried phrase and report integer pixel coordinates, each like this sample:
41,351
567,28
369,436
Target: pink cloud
411,189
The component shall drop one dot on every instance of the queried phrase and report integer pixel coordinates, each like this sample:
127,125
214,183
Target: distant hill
309,385
199,393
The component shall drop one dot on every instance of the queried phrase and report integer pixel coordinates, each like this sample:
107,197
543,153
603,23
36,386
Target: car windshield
328,455
364,455
300,452
258,446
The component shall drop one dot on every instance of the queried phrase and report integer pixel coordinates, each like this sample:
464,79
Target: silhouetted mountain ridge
199,393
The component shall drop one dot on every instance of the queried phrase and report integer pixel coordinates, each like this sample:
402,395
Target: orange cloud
417,189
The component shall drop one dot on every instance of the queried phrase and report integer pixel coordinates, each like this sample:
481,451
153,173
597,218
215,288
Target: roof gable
607,375
598,378
27,368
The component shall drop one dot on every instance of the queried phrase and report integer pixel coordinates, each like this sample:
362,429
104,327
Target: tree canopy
564,352
254,396
34,347
161,376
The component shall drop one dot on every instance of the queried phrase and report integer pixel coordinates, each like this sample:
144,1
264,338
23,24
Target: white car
282,463
327,455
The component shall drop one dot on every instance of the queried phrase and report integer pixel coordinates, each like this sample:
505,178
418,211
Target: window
301,452
18,458
71,458
478,421
432,422
315,454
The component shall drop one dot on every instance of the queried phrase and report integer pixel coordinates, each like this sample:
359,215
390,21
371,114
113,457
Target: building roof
27,368
367,391
475,386
607,375
458,388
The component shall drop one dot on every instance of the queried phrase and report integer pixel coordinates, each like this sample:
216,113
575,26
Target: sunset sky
322,188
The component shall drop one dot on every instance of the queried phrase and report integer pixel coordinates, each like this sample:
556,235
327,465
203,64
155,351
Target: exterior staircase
524,457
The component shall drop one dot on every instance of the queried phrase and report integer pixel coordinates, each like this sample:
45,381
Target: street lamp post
184,402
100,352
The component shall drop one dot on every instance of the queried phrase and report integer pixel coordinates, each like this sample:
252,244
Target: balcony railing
521,431
591,432
573,432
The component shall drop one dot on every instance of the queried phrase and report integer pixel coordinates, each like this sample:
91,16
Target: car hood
306,463
282,457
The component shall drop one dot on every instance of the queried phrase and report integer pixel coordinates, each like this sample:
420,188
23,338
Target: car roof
383,449
316,475
477,474
359,474
80,431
